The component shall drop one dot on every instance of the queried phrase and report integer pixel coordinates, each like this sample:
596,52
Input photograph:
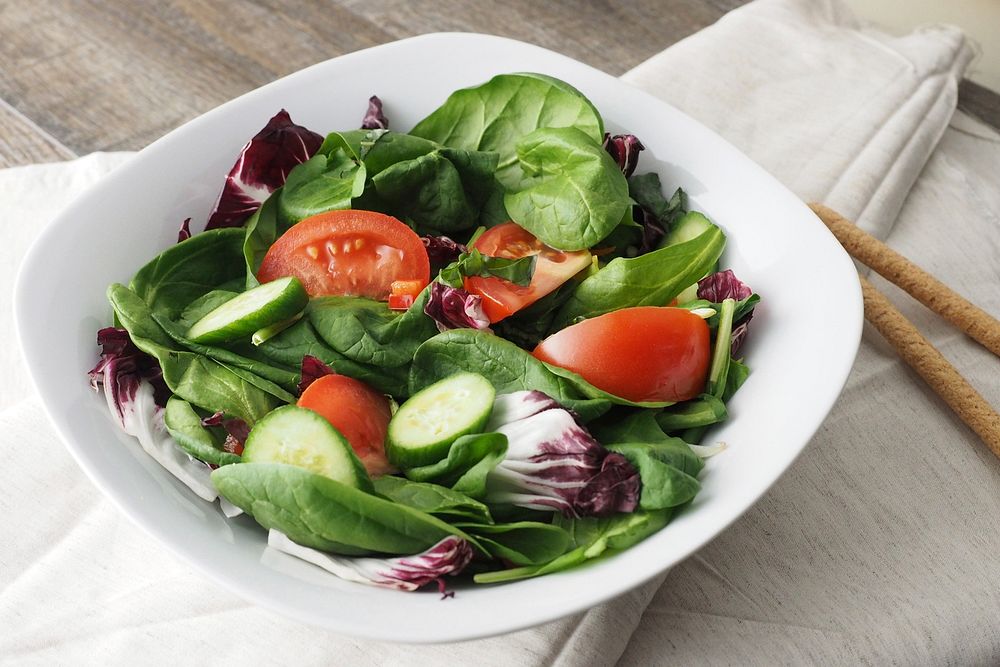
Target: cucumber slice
300,437
691,225
241,316
422,430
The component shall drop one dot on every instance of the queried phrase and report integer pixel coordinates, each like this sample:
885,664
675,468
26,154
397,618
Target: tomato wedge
350,253
360,413
552,268
646,353
403,293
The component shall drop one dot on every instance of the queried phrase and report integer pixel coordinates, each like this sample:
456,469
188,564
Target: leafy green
642,427
368,332
737,375
193,377
667,467
702,411
316,511
325,182
432,187
471,458
259,233
652,279
432,498
572,194
473,263
495,115
300,339
187,271
663,484
520,543
184,425
590,537
647,192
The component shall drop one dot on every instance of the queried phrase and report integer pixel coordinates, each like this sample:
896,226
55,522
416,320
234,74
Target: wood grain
23,142
88,75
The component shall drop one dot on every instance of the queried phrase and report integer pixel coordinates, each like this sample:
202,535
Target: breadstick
928,290
936,371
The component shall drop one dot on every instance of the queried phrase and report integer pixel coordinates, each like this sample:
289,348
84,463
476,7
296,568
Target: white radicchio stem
403,573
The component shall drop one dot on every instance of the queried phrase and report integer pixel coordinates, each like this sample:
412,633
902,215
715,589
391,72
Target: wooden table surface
86,75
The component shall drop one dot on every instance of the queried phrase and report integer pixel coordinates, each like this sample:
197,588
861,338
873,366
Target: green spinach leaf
473,263
496,114
652,279
433,499
325,182
184,425
434,188
470,460
288,347
187,271
591,537
647,192
316,511
642,427
368,332
260,231
520,543
573,194
702,411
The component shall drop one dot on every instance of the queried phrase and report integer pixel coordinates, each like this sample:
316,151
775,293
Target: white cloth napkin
874,542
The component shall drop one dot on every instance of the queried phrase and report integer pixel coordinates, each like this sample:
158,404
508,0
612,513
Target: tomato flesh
403,293
350,253
553,267
360,413
646,353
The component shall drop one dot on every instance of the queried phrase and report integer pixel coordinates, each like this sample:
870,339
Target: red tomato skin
646,353
360,413
352,253
552,268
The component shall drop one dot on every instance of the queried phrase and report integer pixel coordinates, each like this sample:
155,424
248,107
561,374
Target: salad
486,346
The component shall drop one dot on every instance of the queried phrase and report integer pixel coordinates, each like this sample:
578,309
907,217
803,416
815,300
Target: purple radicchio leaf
615,488
237,431
553,463
739,333
312,370
519,405
185,231
405,573
441,251
454,308
262,168
723,285
121,370
624,149
136,395
374,118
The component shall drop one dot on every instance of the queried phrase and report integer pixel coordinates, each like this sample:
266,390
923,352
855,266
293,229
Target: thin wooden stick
936,371
925,288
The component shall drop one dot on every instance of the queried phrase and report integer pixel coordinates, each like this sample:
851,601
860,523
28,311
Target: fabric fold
838,112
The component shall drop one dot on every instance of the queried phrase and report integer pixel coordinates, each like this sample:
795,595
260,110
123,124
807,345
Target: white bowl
801,345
